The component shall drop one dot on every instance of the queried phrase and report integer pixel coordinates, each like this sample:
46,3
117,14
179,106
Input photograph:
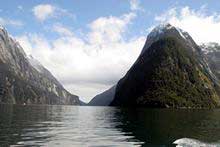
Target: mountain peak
164,28
170,73
160,28
167,30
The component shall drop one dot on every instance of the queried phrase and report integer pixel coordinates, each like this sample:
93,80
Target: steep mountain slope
171,71
24,80
212,54
103,99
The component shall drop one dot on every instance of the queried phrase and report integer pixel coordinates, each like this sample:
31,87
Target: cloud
135,5
92,63
61,30
109,29
202,25
11,22
20,8
45,11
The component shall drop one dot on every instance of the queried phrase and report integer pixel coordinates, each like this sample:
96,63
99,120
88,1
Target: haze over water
106,126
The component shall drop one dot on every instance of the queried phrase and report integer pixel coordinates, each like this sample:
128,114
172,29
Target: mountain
24,80
171,71
103,99
83,103
212,54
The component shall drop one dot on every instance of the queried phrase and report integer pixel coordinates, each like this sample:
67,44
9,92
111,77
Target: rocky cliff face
24,80
171,71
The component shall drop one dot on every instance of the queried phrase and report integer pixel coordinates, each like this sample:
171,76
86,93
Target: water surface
106,126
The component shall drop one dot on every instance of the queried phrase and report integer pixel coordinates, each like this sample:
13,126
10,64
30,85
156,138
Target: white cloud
109,29
89,65
12,22
202,26
45,11
62,30
20,8
135,5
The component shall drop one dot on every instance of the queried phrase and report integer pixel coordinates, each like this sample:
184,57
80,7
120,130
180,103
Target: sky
89,45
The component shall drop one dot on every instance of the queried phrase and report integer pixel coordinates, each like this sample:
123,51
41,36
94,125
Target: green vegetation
168,74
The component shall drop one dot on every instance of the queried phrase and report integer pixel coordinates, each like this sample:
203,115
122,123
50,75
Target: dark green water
107,126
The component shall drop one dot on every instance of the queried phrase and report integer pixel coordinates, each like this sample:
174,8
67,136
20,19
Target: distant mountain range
23,80
212,54
103,99
171,71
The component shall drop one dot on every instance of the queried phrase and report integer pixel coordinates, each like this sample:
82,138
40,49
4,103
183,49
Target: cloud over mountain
90,64
203,26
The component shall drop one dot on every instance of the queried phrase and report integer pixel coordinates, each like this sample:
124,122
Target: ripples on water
106,126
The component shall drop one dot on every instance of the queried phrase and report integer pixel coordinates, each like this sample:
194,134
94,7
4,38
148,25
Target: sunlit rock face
171,71
23,80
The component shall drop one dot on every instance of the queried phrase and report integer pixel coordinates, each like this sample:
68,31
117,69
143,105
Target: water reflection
164,126
104,126
17,123
62,126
